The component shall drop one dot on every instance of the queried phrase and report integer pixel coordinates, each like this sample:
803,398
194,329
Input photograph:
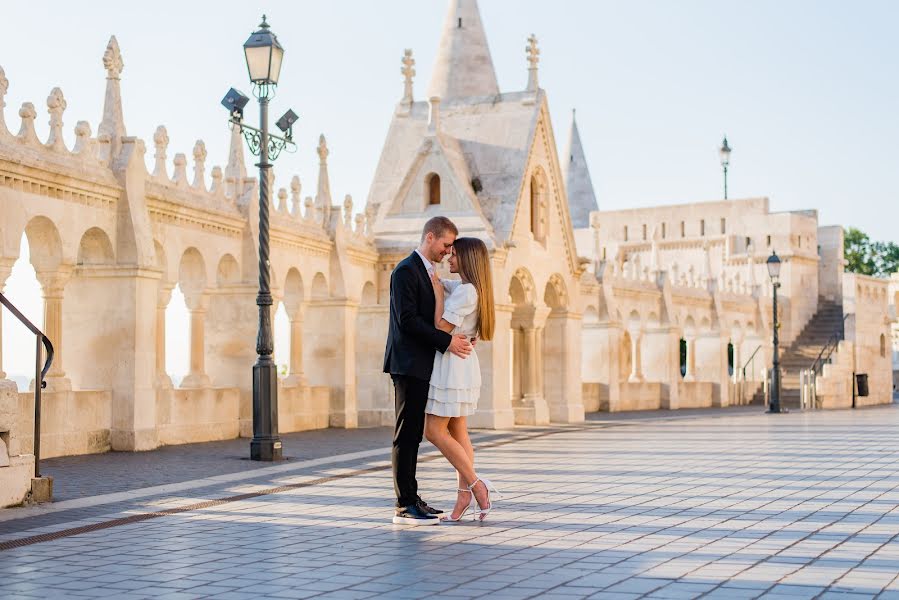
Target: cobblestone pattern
775,506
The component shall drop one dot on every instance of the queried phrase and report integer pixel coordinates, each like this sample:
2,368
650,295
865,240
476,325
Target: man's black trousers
411,398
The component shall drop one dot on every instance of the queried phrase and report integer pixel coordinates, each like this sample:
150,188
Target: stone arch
95,248
522,288
228,271
45,244
293,289
162,261
319,289
689,326
555,295
192,271
633,320
369,296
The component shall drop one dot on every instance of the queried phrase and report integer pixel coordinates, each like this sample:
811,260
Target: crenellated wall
109,241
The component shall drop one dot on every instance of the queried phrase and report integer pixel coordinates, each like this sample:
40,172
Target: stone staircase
806,347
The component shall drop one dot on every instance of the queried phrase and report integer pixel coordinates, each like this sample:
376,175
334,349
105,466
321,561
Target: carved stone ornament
112,59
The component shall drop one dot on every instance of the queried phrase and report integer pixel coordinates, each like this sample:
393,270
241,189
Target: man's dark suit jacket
412,337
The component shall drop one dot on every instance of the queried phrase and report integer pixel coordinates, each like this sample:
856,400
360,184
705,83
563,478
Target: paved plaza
716,504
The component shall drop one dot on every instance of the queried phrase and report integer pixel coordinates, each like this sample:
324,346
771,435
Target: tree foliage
866,257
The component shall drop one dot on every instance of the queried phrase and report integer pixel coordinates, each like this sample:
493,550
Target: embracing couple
434,325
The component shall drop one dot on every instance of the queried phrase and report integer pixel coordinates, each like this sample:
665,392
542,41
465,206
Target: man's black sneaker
414,515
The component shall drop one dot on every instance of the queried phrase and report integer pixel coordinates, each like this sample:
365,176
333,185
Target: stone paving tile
741,505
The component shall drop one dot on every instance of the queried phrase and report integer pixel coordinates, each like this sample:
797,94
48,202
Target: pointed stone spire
323,194
113,123
236,169
581,197
463,66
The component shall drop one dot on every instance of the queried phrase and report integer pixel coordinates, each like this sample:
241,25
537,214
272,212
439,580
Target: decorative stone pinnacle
200,151
322,149
112,59
533,53
4,86
161,141
217,177
56,104
199,165
408,72
82,136
348,210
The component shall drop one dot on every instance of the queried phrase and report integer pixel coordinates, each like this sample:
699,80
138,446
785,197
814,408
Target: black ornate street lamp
774,273
264,56
724,154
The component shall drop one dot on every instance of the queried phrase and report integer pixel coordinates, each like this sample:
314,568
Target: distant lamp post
724,154
264,56
774,273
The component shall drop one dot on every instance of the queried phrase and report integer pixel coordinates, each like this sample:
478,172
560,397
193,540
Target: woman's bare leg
458,429
461,457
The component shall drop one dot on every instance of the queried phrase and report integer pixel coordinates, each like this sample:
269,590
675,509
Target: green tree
869,258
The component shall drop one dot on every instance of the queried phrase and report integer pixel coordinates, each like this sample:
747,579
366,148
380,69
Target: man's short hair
439,226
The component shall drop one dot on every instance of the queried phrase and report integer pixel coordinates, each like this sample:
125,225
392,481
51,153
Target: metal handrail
39,376
751,356
832,342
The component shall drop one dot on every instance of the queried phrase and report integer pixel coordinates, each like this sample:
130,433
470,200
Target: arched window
433,186
883,345
683,357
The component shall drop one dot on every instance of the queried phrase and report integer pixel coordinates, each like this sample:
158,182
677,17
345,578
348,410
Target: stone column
498,366
5,269
296,377
162,301
636,375
53,285
689,374
197,378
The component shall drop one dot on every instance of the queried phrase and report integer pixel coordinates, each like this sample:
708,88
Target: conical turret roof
581,197
463,67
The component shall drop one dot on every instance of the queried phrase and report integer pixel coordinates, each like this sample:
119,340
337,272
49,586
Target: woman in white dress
462,307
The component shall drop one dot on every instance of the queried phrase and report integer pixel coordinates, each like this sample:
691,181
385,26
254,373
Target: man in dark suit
412,341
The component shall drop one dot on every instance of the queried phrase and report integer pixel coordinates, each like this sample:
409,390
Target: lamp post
724,154
774,273
264,56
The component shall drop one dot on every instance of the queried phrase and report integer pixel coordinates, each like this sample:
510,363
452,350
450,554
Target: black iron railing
39,374
829,347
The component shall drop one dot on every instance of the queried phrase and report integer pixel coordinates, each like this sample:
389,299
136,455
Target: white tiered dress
456,382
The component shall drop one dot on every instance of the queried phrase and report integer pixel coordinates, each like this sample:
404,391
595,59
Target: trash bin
861,384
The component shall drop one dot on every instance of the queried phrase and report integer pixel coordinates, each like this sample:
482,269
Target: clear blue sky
807,91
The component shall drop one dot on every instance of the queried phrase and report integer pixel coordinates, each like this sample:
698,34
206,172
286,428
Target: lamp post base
266,449
266,444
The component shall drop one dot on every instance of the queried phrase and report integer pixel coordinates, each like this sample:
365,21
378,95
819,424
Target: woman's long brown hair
474,266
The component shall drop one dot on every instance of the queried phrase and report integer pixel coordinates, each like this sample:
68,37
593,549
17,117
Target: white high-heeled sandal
490,488
449,520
